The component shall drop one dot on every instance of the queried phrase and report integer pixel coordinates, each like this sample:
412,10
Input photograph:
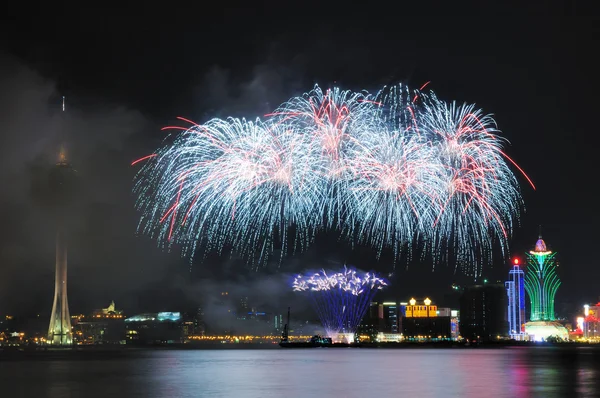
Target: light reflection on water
512,372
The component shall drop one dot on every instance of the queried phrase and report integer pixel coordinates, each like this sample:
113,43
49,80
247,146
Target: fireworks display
341,299
396,170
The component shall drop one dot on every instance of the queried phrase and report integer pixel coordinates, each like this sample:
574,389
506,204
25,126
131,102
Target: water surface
510,372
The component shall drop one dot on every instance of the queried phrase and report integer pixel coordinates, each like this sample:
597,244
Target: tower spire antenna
540,232
62,154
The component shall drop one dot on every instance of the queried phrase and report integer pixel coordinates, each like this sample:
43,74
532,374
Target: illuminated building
103,326
108,312
454,324
61,183
482,312
577,332
444,312
591,322
541,282
154,328
188,328
278,323
199,321
515,290
371,323
189,324
422,322
390,317
382,317
420,311
12,339
542,330
383,322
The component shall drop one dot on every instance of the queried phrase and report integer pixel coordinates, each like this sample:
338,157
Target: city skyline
276,199
113,124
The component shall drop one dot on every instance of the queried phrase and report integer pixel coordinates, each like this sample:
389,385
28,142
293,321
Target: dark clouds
221,301
222,97
253,92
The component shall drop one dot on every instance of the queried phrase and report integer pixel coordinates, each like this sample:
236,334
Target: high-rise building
420,311
454,322
372,322
591,322
278,323
382,317
61,185
515,290
383,321
243,306
390,315
541,282
482,312
422,322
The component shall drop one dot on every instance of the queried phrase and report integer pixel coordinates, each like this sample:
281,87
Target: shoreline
124,351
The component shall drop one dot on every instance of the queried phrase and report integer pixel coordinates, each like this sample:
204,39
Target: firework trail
231,184
390,191
479,195
398,169
333,121
341,299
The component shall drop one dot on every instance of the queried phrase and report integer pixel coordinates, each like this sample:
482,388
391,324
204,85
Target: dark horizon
123,82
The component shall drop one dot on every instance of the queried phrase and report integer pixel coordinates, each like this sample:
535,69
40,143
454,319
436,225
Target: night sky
125,78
